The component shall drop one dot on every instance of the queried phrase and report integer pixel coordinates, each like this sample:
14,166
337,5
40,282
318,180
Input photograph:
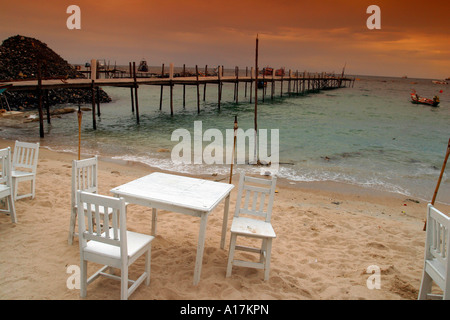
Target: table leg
225,222
154,217
200,249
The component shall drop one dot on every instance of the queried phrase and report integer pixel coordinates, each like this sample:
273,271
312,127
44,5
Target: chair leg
12,209
83,278
267,262
231,254
148,265
73,218
124,282
425,287
263,251
33,188
16,187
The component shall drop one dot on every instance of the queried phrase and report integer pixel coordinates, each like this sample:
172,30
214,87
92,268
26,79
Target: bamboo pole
439,180
234,147
256,99
80,116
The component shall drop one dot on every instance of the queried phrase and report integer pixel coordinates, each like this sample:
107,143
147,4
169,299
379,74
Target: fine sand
328,234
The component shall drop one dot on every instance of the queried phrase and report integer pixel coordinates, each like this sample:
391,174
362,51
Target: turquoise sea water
368,135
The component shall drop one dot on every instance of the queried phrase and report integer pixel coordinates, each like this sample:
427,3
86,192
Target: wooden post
236,85
162,88
198,89
219,93
94,122
136,92
98,102
41,115
131,90
281,89
251,84
289,83
263,88
273,85
47,106
171,88
246,75
204,88
184,86
93,69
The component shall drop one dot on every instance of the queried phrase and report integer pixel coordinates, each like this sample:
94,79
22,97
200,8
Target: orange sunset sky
316,36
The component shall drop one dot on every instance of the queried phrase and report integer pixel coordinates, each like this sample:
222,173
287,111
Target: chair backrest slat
438,239
258,196
25,156
102,230
84,176
5,162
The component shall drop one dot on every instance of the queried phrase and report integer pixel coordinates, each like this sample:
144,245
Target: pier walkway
297,83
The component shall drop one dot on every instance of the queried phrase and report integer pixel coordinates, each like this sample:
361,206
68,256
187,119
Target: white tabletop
174,190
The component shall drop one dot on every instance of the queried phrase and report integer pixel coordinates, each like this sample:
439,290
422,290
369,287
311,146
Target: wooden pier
297,84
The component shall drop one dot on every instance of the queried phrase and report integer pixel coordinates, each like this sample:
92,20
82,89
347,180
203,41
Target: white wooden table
191,196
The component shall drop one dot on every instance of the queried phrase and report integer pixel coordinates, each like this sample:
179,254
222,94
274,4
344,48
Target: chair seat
21,174
252,227
5,188
135,242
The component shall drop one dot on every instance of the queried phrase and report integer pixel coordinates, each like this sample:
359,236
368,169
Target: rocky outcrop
20,58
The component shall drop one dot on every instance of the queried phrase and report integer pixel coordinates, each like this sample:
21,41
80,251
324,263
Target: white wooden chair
437,250
244,226
84,178
24,165
108,243
6,189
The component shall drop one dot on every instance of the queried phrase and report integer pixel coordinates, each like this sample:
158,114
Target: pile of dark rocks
20,59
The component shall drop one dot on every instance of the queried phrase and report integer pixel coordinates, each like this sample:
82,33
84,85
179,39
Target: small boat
267,71
416,99
439,82
143,66
280,72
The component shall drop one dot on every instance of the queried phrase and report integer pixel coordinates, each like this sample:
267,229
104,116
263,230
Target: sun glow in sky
414,38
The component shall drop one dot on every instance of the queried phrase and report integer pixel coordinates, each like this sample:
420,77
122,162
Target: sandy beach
328,234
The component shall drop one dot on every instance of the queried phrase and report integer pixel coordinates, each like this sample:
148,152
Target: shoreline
328,234
334,187
330,188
